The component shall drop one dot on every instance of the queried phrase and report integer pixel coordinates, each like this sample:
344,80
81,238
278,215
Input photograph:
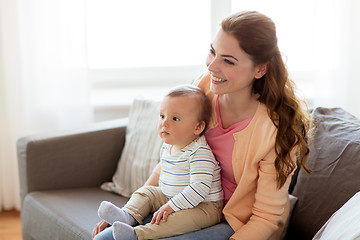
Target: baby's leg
204,215
122,231
143,201
111,213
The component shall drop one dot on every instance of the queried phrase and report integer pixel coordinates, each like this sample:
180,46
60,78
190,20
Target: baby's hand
163,212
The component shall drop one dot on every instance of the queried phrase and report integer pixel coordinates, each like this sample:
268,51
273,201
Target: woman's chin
216,88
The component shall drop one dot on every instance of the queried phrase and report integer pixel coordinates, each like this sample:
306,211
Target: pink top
221,142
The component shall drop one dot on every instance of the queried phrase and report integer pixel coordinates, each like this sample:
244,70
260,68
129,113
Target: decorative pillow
335,163
344,223
141,151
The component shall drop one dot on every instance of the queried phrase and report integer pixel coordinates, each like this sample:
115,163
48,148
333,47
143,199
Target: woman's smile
217,80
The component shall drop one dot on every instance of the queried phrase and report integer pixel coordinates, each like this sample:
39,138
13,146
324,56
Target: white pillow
344,223
141,151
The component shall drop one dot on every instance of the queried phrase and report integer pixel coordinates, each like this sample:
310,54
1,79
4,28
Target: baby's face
178,123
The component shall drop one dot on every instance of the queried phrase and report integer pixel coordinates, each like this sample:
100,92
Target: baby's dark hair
198,93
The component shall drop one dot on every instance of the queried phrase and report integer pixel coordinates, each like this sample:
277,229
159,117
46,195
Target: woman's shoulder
261,122
202,79
203,82
262,113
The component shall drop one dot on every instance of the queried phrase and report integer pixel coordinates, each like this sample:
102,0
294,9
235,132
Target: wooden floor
10,225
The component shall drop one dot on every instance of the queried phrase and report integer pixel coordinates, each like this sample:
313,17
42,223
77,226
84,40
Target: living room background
68,63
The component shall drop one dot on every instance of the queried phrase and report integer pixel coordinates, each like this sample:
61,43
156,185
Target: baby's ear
199,128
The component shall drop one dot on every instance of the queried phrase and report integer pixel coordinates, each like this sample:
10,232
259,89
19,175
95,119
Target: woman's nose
212,65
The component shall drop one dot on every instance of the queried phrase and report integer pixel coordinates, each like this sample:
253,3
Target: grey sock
111,213
122,231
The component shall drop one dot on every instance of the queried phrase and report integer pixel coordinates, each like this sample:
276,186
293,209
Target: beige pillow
141,151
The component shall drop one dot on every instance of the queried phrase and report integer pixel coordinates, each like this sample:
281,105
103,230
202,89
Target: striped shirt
190,176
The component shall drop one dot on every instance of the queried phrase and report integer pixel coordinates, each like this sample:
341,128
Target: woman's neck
235,108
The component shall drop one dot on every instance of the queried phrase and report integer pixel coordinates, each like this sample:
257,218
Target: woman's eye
176,119
162,116
228,62
212,52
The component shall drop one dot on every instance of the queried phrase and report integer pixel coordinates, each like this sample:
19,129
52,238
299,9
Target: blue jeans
221,231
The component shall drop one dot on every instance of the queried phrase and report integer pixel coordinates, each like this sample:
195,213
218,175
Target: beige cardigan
257,208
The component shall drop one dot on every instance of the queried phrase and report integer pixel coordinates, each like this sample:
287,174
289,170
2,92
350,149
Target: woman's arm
99,227
153,180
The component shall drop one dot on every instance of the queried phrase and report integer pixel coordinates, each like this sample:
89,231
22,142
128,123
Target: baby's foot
123,231
111,213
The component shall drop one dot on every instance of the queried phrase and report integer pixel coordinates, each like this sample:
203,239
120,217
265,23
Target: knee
146,190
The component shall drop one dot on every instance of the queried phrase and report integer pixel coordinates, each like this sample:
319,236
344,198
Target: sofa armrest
85,157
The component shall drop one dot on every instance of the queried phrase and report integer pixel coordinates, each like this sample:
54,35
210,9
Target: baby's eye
162,116
176,119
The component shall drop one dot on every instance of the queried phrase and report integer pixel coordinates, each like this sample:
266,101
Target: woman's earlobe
261,71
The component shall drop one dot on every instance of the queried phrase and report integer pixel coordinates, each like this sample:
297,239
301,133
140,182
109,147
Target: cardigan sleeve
269,207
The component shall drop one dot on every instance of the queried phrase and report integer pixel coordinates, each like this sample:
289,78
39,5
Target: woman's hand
99,227
163,212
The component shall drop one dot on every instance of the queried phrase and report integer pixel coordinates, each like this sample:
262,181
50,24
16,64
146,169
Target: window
142,33
143,47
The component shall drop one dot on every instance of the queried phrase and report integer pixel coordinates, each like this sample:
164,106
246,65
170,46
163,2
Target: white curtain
337,55
43,81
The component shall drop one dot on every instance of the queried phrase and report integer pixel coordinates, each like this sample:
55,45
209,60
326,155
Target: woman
258,131
258,128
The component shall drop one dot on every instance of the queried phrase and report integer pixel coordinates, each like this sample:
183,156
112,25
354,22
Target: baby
189,196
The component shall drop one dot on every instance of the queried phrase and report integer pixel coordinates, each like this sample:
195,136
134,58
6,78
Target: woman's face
231,69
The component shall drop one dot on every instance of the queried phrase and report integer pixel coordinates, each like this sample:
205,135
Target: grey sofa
60,174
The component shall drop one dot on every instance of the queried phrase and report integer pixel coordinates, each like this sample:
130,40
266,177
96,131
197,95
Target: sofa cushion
64,214
141,152
335,163
72,214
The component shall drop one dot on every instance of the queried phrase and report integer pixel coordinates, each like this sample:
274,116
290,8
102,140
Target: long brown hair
256,34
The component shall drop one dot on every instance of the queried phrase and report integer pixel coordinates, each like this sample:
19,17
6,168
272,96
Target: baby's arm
162,213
